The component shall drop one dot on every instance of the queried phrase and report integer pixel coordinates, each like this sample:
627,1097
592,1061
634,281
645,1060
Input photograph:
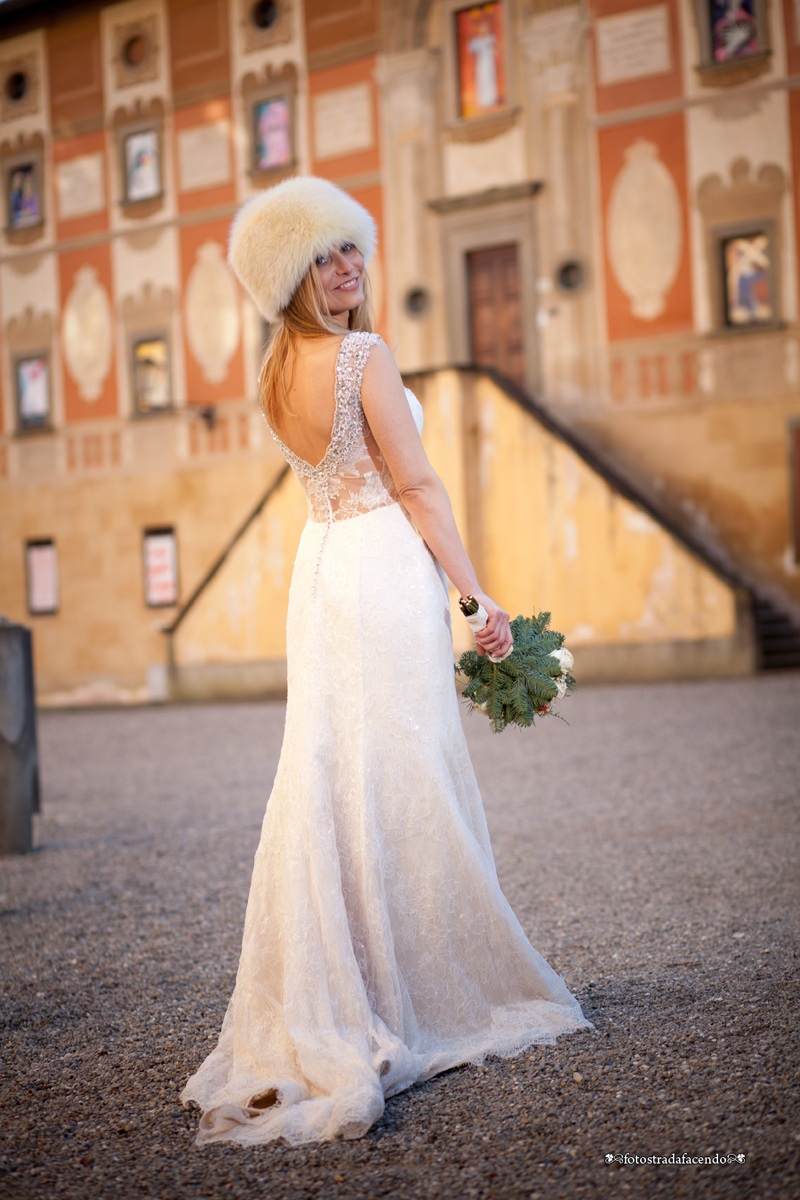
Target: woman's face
341,273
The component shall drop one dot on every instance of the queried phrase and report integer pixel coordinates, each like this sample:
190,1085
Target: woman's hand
495,637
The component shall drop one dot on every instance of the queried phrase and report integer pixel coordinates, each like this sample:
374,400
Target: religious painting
33,391
160,551
141,165
748,279
272,133
24,198
734,30
150,372
41,577
480,42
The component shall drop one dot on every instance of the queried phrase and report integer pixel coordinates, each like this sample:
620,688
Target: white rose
565,659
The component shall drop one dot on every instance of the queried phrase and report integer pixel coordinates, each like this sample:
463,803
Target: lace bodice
352,477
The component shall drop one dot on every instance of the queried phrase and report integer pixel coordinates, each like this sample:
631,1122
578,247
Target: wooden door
495,311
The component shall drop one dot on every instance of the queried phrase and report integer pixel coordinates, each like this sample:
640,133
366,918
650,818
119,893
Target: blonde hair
306,315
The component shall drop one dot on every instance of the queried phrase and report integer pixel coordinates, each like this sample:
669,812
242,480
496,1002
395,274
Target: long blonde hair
306,315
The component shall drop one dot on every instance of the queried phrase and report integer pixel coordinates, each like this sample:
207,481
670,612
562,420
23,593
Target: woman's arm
420,488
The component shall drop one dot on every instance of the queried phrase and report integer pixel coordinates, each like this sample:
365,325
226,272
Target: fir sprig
522,686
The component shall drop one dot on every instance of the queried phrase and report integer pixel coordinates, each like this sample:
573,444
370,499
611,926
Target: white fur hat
276,236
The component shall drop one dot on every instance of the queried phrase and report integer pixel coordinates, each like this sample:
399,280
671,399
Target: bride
378,948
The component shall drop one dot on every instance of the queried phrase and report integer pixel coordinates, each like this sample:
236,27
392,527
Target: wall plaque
343,121
80,186
204,156
633,45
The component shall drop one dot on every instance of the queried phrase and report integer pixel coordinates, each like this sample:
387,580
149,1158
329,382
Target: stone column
554,45
407,87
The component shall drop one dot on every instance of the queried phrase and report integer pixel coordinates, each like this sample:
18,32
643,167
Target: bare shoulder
381,371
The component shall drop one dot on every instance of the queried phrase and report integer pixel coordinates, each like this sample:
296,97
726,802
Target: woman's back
305,421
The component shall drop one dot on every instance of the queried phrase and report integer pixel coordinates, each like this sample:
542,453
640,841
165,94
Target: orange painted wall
669,135
65,149
198,389
199,42
651,89
74,68
792,41
189,118
69,263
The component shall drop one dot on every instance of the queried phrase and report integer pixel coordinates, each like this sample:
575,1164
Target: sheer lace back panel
352,477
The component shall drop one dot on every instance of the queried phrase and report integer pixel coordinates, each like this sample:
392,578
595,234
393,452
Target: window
272,127
41,577
150,374
23,187
477,77
160,554
141,166
744,284
480,43
734,40
32,381
748,278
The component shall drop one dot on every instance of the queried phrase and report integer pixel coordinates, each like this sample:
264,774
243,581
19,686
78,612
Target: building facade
597,202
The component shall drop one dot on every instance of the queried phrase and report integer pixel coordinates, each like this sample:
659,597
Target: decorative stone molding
137,51
746,197
86,333
152,307
26,65
30,332
255,38
481,129
645,233
213,320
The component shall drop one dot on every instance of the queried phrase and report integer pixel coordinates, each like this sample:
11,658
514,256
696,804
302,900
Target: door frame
497,218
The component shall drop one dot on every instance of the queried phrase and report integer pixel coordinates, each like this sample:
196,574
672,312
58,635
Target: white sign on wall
633,45
160,568
343,121
42,573
204,156
80,186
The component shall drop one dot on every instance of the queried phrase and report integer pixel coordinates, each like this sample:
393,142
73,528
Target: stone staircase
777,636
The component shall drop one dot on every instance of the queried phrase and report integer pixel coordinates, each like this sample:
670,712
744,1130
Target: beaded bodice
352,477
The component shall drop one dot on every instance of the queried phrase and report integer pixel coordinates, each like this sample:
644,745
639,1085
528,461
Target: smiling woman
378,949
341,274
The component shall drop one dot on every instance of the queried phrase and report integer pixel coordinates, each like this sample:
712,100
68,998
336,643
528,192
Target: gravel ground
649,848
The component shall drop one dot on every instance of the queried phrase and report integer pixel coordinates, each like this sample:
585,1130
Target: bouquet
528,682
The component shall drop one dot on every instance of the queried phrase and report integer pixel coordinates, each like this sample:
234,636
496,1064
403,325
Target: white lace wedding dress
378,947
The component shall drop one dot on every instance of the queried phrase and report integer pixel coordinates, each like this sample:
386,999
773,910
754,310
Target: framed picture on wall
734,30
23,195
273,133
141,165
32,381
150,374
747,263
481,52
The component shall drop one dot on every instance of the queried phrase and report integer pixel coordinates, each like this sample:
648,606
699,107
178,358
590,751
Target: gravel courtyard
649,847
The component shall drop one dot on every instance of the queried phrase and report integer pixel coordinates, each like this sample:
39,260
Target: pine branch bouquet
526,684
